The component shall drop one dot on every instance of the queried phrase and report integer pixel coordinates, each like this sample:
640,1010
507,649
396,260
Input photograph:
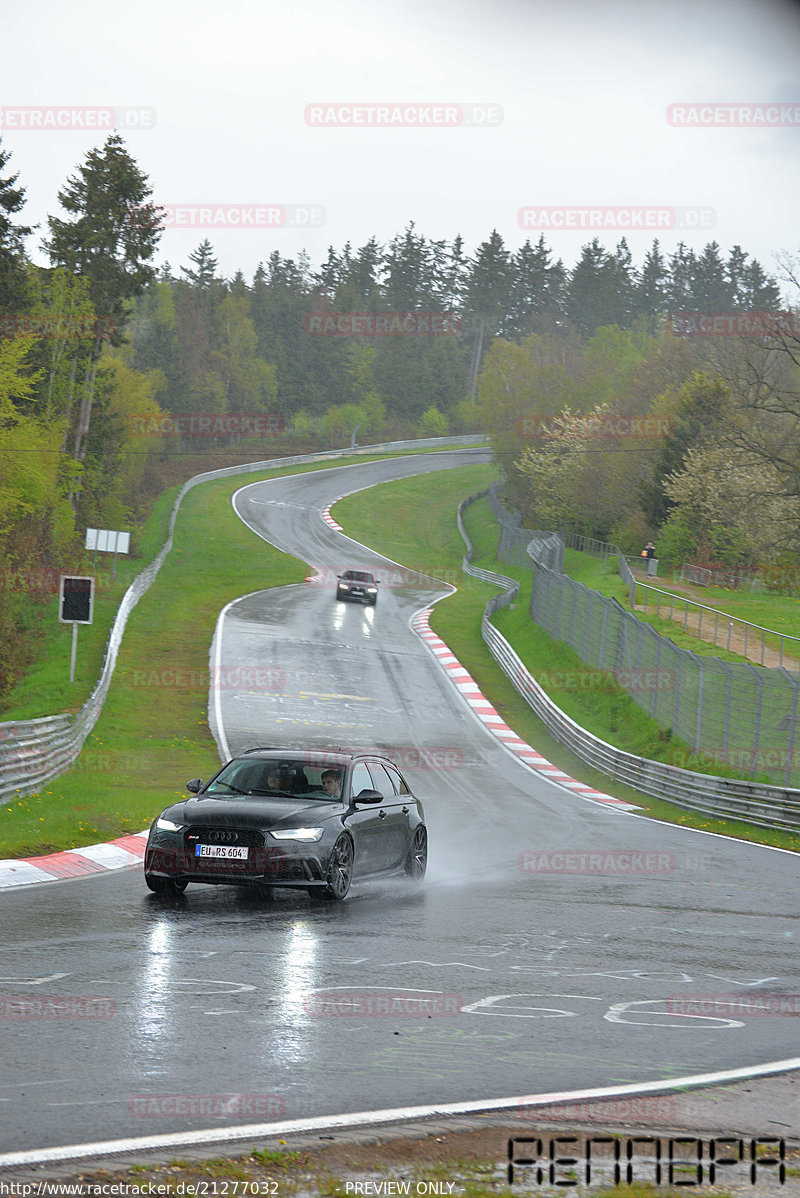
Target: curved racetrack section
541,972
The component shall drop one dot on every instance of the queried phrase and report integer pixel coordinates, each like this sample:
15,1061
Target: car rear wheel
171,887
417,859
340,873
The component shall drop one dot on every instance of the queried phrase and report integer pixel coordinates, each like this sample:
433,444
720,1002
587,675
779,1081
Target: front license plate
229,851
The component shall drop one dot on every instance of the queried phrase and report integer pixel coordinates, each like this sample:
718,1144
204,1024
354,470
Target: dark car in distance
311,820
357,584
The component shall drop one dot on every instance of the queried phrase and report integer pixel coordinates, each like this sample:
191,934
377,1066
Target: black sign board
75,600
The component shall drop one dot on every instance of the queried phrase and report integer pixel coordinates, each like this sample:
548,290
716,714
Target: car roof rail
290,752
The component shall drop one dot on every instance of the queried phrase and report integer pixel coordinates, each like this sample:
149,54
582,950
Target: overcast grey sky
576,102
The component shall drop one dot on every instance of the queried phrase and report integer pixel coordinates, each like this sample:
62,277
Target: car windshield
358,576
284,777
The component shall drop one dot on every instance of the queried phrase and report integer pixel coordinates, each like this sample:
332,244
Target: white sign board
107,540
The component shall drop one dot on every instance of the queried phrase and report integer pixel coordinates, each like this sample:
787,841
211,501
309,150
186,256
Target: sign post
108,540
75,606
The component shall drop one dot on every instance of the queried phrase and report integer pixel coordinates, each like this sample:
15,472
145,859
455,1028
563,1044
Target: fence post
726,723
603,637
654,704
757,714
590,599
572,613
795,685
676,705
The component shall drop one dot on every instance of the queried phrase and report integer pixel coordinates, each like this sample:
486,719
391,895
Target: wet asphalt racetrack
546,982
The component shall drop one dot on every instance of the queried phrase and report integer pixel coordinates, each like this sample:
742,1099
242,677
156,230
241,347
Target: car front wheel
171,887
340,872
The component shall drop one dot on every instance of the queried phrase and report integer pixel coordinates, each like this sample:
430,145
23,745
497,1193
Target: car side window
381,780
361,779
398,779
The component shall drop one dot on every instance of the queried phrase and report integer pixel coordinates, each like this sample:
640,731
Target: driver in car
332,783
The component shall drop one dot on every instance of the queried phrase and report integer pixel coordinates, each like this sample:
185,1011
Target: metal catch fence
730,714
753,802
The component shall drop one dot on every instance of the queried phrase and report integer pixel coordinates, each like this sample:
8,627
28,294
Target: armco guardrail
727,798
34,751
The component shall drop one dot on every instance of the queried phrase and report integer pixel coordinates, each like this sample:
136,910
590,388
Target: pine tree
600,288
712,289
12,251
206,264
537,289
651,287
109,237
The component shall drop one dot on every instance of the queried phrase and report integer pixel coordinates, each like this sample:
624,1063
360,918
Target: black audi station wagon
357,584
308,820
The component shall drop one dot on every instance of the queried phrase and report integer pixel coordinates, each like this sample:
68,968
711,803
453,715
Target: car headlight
297,833
167,825
372,590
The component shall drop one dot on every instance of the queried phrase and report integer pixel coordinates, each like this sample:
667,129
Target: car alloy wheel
170,887
417,860
340,870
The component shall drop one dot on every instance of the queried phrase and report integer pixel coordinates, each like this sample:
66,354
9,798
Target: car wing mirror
368,796
195,785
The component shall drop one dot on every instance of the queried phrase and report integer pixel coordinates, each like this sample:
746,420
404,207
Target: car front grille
249,838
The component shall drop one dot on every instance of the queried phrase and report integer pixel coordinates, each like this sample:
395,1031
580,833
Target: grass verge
781,613
46,688
425,534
